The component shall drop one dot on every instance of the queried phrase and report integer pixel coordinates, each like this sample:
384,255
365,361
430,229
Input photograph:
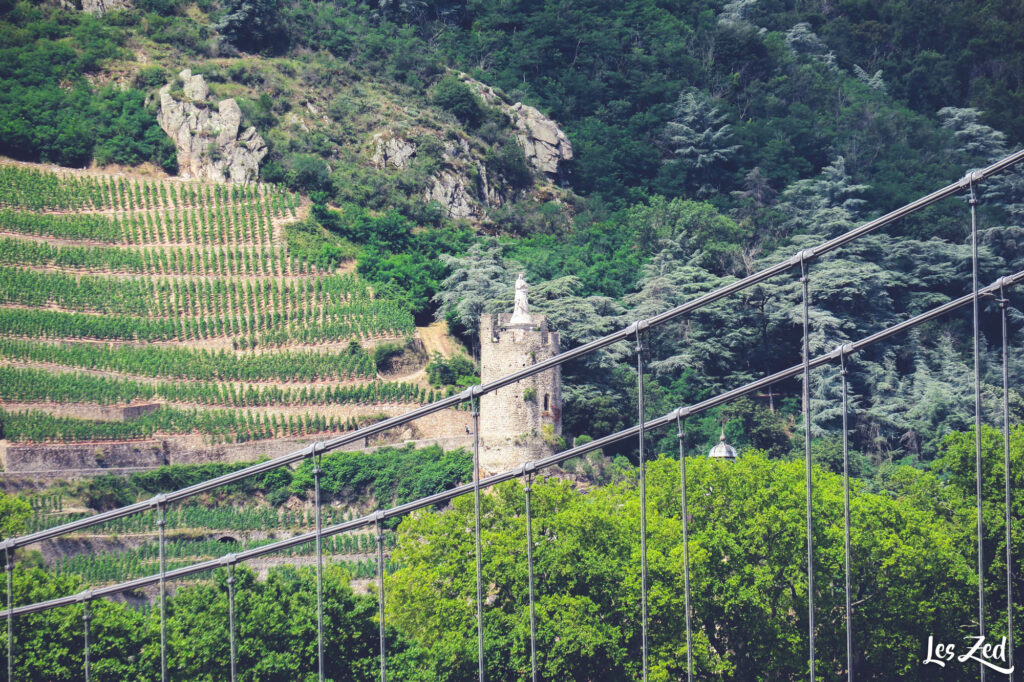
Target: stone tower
518,422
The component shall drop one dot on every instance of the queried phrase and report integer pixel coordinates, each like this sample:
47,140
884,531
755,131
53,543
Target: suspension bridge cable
380,601
552,460
1003,302
8,568
85,631
317,471
231,621
544,365
528,488
973,201
681,435
161,524
643,498
476,536
804,280
844,372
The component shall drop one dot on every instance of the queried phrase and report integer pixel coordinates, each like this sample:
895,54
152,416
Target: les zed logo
981,652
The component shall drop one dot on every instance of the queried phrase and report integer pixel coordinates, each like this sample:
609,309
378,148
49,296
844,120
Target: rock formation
463,186
391,149
544,144
209,143
101,7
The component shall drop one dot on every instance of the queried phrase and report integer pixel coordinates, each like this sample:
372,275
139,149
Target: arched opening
545,402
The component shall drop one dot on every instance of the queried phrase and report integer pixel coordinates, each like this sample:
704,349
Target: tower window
545,402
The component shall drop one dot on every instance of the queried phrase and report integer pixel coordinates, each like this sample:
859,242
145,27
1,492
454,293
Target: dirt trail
436,338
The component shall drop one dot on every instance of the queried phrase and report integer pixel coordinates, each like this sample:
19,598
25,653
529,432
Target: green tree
749,589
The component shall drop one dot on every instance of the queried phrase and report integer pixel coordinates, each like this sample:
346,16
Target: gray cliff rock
101,7
462,186
390,149
544,144
210,144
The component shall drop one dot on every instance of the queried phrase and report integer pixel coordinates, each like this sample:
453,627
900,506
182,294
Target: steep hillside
185,298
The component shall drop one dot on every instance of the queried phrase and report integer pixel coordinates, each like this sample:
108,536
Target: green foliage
746,537
452,94
251,25
103,493
390,475
457,369
14,512
50,112
276,629
310,242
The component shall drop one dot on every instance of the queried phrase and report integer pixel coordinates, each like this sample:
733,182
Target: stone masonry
519,422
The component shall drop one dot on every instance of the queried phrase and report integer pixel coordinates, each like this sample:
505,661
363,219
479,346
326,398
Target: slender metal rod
1003,302
529,573
643,498
479,561
544,365
231,622
846,518
9,568
681,435
804,279
319,572
85,631
977,418
442,497
161,524
380,602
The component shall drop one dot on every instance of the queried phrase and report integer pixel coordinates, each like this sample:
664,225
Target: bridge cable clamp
971,178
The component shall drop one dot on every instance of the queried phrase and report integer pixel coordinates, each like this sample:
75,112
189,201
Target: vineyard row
201,262
40,190
293,300
33,385
232,426
192,516
242,224
197,364
371,319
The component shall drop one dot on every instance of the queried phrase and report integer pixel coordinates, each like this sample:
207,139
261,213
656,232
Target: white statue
521,312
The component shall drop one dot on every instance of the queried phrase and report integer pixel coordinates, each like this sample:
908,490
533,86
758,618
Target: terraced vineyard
115,290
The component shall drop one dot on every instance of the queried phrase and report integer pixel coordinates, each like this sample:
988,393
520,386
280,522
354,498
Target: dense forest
710,139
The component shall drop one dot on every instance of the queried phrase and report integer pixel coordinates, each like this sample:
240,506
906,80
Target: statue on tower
521,312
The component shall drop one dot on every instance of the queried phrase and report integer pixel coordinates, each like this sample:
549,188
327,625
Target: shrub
443,371
456,97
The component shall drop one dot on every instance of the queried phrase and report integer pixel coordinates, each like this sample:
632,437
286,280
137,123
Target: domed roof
723,450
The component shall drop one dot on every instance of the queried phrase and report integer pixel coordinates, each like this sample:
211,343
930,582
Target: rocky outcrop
462,186
393,150
101,7
544,144
210,144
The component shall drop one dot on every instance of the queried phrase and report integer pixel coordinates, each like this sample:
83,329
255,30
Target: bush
450,371
456,97
308,173
106,492
384,352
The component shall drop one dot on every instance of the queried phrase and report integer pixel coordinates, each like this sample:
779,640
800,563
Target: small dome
723,450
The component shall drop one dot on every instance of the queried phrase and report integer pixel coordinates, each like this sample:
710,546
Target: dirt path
435,339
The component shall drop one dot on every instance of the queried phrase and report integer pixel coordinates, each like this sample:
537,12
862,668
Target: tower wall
513,418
